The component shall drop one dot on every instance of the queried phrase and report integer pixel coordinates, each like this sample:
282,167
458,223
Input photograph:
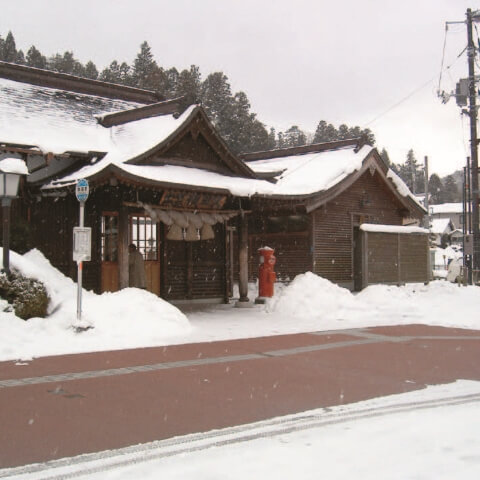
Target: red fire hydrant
266,274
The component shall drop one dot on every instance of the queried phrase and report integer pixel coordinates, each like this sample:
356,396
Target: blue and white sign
82,190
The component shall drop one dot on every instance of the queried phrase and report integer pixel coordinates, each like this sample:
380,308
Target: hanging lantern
191,234
175,232
207,233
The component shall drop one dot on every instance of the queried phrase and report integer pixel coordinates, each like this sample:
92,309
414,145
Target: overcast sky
372,63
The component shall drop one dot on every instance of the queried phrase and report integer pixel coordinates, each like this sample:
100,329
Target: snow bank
311,296
125,319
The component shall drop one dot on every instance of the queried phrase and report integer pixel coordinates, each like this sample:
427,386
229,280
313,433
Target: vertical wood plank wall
365,201
396,258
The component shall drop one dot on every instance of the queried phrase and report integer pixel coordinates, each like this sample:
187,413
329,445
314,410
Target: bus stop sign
82,190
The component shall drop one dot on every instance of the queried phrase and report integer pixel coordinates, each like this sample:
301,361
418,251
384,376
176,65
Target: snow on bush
27,296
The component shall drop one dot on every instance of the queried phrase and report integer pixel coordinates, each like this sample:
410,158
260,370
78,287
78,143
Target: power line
413,92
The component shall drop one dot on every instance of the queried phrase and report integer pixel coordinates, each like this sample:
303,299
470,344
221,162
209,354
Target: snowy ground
431,433
427,434
135,318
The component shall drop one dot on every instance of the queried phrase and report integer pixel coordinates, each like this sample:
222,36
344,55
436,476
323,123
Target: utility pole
427,217
427,199
473,141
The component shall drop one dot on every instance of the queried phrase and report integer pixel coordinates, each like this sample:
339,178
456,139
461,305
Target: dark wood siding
382,256
195,270
414,258
367,200
291,251
395,258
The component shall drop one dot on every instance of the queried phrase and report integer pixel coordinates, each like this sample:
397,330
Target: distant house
453,211
441,228
163,178
456,237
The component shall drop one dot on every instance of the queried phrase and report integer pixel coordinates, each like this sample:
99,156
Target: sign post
82,246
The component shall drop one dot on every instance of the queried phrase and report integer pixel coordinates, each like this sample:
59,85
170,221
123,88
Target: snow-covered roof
441,225
61,121
371,227
312,172
55,120
446,208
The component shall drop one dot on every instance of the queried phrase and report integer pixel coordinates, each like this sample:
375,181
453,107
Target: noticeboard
82,244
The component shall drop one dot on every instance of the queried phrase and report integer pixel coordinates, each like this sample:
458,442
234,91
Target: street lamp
11,169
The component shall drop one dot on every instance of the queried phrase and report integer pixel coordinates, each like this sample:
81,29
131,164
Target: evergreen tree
66,63
146,73
385,157
35,58
9,50
20,59
451,192
116,73
411,173
272,142
91,70
217,98
435,189
343,132
294,137
189,86
325,132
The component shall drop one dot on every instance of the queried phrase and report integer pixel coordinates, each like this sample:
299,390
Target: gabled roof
320,172
441,226
134,143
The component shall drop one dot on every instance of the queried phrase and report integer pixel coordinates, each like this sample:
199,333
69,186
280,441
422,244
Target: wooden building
159,178
164,179
324,193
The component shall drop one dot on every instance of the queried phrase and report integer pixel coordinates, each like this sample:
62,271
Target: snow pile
310,296
124,319
439,303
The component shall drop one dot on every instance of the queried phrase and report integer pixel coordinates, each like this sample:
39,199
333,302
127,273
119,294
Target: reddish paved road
114,399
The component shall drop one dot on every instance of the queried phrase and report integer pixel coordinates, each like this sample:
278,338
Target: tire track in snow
88,464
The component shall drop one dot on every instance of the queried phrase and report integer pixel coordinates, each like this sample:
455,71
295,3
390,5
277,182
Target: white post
80,271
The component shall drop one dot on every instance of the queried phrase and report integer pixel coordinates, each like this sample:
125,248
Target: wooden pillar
189,247
163,262
123,248
243,259
228,261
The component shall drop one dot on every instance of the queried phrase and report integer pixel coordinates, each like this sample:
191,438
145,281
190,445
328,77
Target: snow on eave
403,190
446,208
371,227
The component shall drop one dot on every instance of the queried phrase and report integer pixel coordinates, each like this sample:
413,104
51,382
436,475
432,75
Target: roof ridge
73,83
168,107
312,148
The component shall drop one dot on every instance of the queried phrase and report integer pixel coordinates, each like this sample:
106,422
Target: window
143,233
